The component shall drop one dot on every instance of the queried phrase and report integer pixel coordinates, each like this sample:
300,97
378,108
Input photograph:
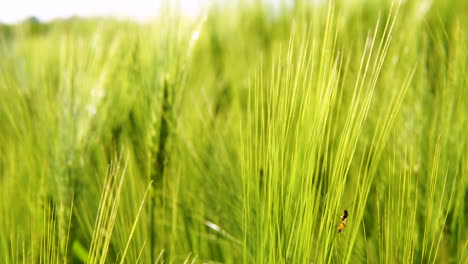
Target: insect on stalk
344,218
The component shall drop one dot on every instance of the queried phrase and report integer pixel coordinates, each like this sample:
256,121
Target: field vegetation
238,136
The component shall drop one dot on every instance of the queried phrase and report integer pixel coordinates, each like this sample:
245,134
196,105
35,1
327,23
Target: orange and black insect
344,218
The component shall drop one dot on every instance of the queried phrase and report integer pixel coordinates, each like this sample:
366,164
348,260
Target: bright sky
12,11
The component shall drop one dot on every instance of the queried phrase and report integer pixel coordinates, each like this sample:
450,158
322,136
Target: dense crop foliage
239,136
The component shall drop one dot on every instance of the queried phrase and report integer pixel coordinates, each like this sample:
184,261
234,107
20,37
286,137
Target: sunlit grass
239,137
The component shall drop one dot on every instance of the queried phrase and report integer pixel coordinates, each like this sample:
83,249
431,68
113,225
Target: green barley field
238,136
